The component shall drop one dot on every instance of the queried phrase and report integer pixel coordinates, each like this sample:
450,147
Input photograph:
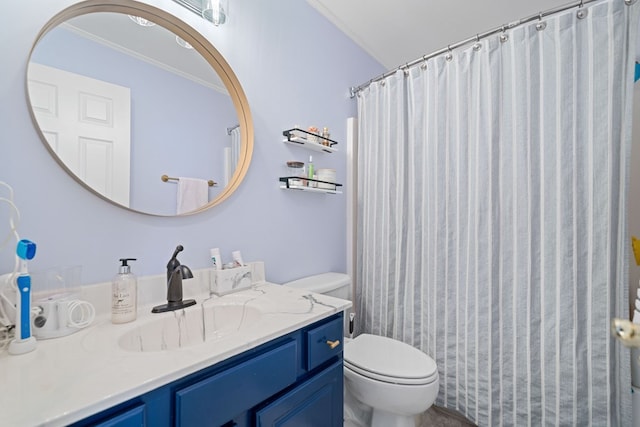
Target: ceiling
395,32
154,45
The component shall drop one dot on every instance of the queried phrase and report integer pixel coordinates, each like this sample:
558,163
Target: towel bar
166,178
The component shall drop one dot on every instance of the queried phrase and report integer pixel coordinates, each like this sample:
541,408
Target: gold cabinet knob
333,344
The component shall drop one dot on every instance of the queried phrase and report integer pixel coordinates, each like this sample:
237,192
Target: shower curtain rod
355,89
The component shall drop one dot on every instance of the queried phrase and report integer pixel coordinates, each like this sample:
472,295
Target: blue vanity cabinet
292,380
315,402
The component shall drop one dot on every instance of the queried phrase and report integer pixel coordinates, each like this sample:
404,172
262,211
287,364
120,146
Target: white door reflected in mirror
87,124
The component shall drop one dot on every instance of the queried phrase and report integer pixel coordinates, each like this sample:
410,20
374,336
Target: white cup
326,175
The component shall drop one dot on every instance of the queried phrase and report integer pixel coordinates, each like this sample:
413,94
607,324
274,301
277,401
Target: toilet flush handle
333,344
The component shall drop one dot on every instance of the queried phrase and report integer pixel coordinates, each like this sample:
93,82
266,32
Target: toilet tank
333,284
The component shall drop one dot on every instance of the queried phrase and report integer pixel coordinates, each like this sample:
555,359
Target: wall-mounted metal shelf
309,140
298,183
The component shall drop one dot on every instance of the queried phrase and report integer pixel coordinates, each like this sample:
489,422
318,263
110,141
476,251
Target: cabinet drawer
219,398
132,418
319,342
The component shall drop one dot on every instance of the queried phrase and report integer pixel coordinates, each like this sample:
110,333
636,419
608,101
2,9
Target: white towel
193,193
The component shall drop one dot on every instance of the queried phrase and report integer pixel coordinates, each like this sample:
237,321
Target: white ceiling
155,45
395,32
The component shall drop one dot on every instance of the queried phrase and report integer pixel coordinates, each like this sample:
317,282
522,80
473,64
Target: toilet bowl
394,379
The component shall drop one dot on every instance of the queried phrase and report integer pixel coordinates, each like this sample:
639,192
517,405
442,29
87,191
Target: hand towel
193,193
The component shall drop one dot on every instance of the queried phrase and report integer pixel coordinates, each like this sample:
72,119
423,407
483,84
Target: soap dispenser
124,294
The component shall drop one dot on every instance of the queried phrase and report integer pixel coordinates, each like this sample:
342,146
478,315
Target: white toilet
395,380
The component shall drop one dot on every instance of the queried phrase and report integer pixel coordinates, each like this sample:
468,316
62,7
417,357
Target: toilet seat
388,360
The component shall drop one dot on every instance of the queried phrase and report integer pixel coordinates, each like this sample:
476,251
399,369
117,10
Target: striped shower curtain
232,154
492,218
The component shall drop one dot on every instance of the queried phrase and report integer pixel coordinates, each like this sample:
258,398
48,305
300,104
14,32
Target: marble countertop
67,379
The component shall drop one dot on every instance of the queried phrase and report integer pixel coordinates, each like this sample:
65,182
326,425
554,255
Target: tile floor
443,417
435,416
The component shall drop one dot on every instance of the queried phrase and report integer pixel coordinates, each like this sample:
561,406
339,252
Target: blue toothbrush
23,341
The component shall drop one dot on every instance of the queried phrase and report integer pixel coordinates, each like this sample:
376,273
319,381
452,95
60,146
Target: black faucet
175,273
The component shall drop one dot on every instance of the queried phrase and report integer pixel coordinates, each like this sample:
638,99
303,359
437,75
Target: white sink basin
208,321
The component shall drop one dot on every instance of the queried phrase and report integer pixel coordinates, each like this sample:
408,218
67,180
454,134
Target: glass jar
295,171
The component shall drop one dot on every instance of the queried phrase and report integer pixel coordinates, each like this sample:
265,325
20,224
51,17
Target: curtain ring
504,36
423,66
541,25
405,69
477,45
581,13
449,56
629,2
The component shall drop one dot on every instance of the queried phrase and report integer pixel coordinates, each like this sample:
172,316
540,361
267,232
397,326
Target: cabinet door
315,403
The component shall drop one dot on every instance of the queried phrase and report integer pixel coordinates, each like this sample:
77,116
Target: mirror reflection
122,104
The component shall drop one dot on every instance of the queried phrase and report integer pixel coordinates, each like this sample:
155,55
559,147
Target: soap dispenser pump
124,294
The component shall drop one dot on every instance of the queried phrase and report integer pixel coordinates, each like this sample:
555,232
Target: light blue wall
295,68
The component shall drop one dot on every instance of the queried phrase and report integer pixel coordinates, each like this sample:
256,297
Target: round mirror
139,107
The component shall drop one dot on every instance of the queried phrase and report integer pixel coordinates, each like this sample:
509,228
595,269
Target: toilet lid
389,360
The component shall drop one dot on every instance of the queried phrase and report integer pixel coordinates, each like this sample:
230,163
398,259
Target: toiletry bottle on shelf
325,137
311,171
124,294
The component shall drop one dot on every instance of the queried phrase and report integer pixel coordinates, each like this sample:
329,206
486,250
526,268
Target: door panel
87,123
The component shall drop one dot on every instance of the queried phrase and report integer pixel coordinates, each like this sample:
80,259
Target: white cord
6,336
6,302
13,227
13,230
85,317
5,319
